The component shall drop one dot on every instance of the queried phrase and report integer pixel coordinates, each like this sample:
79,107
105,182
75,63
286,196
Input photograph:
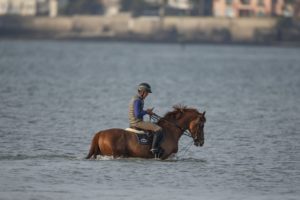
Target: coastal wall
178,29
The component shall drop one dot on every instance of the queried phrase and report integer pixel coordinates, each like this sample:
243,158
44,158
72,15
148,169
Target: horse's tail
94,149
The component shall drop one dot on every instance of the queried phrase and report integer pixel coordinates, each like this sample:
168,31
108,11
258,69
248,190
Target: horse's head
190,119
196,128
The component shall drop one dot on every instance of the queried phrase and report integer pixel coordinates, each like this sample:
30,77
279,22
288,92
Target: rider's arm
138,111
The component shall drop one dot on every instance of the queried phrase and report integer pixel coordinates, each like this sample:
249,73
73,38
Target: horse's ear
203,113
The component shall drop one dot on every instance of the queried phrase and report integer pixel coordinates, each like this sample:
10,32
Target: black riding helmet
144,87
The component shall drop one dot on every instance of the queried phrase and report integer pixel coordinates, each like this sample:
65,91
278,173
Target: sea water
55,95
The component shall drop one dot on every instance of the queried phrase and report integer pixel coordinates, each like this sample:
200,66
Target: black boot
156,150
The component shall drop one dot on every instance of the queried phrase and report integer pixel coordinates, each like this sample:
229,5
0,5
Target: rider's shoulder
136,97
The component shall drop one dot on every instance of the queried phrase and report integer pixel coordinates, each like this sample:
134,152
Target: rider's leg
156,142
158,134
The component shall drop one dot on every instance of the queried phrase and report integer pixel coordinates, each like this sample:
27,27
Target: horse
118,142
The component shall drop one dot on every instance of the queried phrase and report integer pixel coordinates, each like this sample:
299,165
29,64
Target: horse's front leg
169,152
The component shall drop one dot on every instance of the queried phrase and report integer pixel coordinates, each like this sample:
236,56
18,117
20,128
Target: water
54,95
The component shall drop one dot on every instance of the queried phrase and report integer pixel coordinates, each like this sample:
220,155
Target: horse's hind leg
94,149
96,152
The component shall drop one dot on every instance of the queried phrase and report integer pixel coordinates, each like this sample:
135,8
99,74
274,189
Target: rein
185,132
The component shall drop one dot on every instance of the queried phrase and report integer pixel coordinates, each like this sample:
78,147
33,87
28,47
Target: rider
137,112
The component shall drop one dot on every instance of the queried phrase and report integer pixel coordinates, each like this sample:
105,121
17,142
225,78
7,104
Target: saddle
143,137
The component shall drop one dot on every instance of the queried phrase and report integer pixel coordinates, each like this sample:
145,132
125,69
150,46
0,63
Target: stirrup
154,151
157,152
156,155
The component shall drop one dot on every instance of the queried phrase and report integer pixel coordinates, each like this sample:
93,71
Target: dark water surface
54,95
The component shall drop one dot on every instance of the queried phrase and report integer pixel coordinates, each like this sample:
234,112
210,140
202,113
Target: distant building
111,7
50,8
31,7
184,5
53,8
42,7
180,4
202,7
247,8
18,7
178,7
297,9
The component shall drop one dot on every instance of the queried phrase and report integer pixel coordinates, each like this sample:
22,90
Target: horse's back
113,132
112,136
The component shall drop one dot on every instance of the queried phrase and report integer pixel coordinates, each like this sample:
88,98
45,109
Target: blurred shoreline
182,30
154,42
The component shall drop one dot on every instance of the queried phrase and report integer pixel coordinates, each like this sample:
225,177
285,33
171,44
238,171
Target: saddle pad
135,131
142,137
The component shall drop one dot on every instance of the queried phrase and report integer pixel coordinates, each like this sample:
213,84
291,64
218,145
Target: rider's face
144,94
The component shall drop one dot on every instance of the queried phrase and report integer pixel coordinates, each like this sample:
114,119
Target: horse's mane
179,109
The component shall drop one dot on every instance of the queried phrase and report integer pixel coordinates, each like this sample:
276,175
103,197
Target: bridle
199,124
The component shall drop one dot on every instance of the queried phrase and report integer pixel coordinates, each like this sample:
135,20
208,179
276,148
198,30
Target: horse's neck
175,130
183,122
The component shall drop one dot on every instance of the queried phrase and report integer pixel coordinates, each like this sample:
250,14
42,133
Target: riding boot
156,150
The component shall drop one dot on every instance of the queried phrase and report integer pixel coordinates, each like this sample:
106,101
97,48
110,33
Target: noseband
197,130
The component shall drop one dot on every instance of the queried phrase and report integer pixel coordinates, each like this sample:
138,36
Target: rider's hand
150,111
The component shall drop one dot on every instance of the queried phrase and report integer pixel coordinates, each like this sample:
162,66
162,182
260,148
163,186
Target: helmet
144,87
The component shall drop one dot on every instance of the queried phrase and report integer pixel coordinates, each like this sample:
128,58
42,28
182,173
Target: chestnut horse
121,143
